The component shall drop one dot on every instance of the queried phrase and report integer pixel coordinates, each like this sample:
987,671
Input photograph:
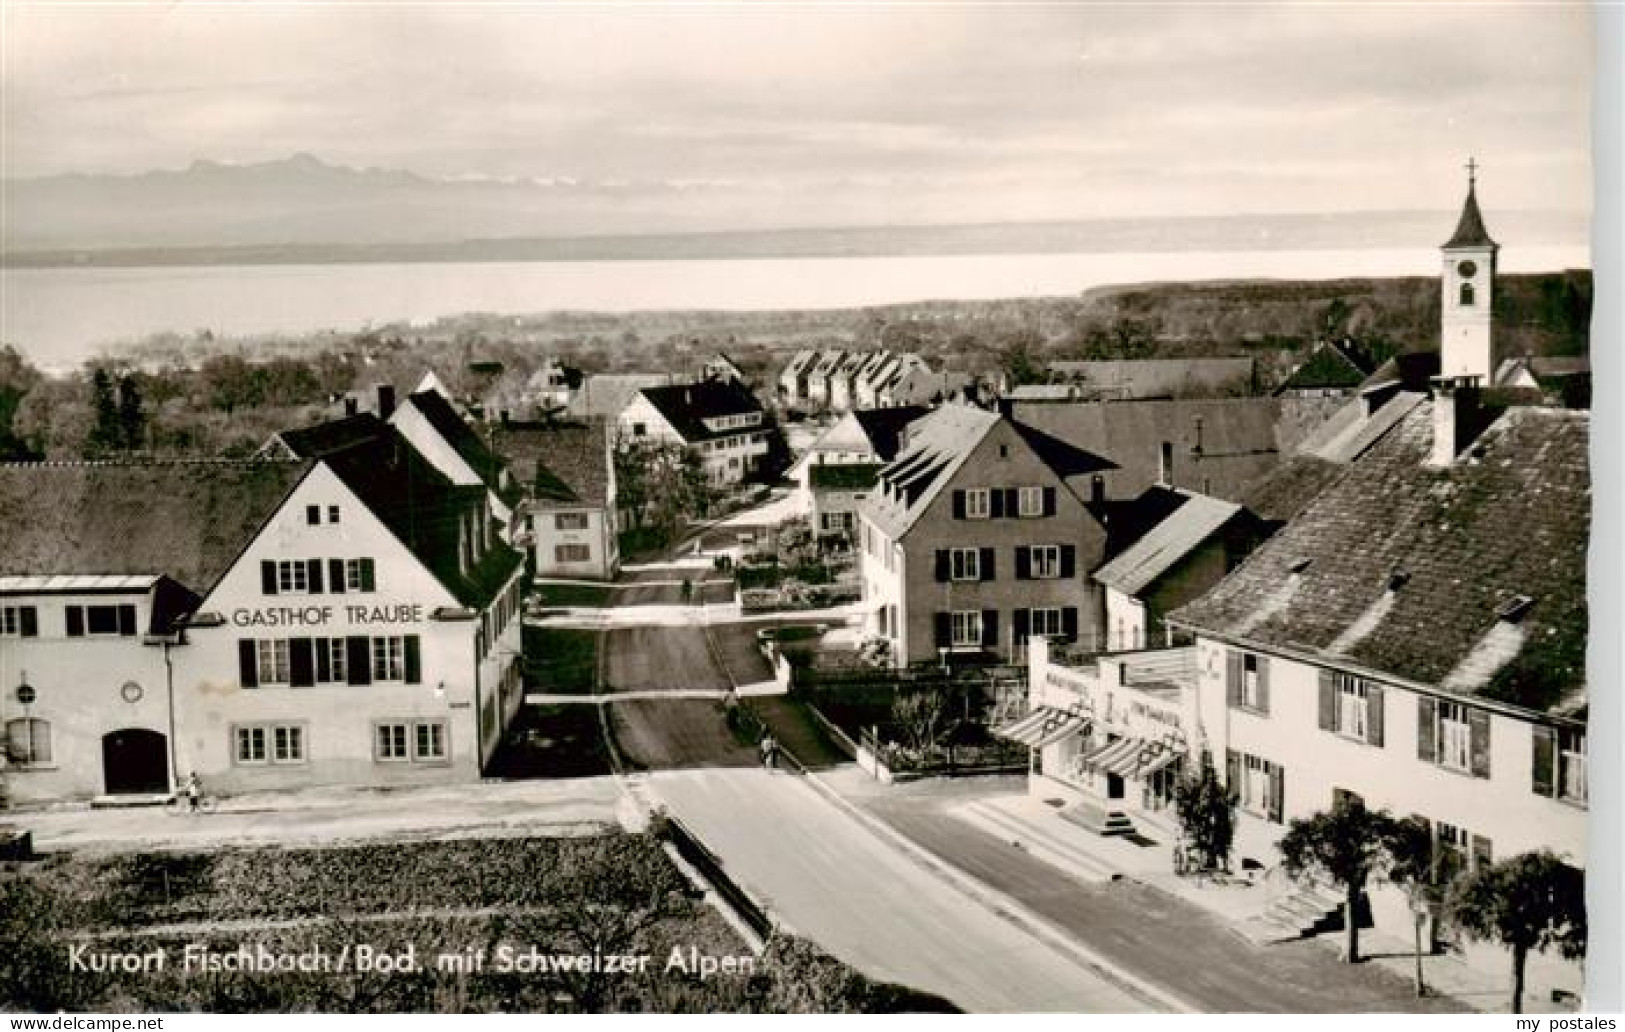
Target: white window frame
292,577
1352,715
389,658
1257,779
392,741
1571,781
1251,665
254,738
11,621
34,729
1455,737
580,553
978,503
287,744
438,751
1030,502
965,564
271,660
1044,562
101,607
965,628
338,659
569,521
1046,620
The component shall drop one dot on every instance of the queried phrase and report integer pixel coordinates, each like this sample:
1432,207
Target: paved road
324,816
1156,936
836,882
653,658
675,734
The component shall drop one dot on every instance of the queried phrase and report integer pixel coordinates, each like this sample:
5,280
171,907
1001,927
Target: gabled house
1333,370
568,514
971,540
720,422
428,419
793,379
346,615
865,436
821,376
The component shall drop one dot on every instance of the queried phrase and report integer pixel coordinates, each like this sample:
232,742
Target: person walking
770,752
194,791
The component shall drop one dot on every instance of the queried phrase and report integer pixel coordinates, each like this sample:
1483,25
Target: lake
60,317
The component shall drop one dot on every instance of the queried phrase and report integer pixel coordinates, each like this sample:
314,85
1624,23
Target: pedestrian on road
194,791
770,751
688,590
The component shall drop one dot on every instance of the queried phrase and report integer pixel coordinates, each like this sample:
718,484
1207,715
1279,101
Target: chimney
1455,408
1097,490
386,400
1165,464
352,406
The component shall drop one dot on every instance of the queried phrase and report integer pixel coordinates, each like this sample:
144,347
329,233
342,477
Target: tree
1348,845
1206,815
104,432
132,421
1532,901
919,715
1425,873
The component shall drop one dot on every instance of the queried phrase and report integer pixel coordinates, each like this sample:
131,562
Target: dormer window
1513,609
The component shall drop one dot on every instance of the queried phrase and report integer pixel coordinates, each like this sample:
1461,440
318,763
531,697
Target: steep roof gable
687,406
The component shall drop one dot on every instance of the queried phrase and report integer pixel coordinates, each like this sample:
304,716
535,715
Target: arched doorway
135,760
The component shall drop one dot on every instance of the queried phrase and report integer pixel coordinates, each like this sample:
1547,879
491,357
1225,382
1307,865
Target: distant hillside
304,210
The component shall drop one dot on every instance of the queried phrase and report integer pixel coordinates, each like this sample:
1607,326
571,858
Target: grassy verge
561,660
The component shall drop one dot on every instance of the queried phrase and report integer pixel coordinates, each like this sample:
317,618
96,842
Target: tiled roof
604,395
686,405
333,435
560,464
1509,518
1238,440
463,439
843,476
1470,231
1170,541
186,520
1287,490
884,427
1154,377
1331,365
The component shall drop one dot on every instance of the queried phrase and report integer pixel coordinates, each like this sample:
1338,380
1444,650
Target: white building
720,422
568,515
345,617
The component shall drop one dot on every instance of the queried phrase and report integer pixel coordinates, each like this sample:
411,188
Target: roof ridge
153,462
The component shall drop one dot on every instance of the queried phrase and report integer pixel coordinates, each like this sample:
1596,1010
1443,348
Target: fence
704,861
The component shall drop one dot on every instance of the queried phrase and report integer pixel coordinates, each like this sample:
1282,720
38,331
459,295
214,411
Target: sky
813,114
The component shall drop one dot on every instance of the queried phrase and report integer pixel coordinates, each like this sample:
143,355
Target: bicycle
181,803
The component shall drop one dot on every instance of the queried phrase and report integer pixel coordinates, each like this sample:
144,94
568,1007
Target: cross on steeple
1472,172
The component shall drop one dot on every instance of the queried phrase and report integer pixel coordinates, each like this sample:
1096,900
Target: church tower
1468,282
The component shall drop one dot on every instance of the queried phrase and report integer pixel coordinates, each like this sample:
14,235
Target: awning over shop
1042,726
1133,757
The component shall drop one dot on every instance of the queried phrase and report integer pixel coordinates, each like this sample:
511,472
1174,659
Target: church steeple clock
1466,346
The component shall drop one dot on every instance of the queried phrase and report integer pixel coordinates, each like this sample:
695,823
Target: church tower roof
1470,231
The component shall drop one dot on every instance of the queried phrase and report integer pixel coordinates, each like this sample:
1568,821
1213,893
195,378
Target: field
369,925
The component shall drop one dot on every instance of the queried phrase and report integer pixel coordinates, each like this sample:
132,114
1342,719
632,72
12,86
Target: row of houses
841,380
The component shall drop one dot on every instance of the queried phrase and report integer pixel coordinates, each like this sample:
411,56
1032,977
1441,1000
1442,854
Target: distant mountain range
303,210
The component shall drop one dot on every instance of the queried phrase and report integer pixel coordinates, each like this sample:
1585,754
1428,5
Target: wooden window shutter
414,660
335,576
995,504
314,572
1022,621
248,668
959,505
1427,729
1277,793
1069,561
1069,623
1478,723
990,628
985,565
267,577
1543,767
943,571
1024,563
1232,678
126,620
324,661
358,659
1328,701
945,630
1373,715
76,621
301,663
1012,502
367,581
1264,684
1049,501
29,617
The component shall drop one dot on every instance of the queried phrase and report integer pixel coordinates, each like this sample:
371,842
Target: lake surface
60,317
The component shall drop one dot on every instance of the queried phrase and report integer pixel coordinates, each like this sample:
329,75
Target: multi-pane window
1455,736
1352,704
977,506
28,741
268,743
287,743
19,622
572,553
251,744
1571,766
358,575
292,575
420,741
272,657
98,620
336,656
1259,785
1030,501
332,514
570,521
1351,707
1251,696
966,627
1045,561
1046,621
388,659
101,619
965,564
